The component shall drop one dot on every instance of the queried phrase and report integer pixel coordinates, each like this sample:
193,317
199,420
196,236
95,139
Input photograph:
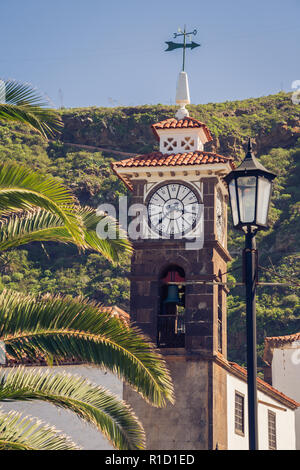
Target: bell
172,296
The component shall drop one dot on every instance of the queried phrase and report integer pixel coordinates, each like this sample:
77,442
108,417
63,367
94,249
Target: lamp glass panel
234,210
246,194
263,198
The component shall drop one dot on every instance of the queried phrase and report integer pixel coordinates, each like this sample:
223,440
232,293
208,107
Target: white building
282,356
276,414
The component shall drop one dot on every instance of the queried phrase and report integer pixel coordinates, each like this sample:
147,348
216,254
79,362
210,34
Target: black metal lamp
250,188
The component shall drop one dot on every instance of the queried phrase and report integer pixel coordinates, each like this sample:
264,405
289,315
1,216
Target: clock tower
178,291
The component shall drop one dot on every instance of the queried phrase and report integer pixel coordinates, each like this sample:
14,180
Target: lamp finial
249,154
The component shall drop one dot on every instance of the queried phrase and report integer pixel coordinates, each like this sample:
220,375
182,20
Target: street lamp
250,188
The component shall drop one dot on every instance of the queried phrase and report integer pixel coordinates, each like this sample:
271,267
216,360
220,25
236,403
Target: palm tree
24,433
37,208
60,329
54,328
21,102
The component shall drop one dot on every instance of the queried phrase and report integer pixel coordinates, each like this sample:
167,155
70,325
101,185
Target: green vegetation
272,121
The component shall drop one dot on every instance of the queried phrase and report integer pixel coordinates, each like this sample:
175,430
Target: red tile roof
265,387
281,340
187,122
163,159
115,311
157,159
273,342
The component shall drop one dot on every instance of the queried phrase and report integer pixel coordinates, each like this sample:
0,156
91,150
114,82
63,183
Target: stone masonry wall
183,425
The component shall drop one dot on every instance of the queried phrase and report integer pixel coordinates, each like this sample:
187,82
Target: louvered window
272,430
239,414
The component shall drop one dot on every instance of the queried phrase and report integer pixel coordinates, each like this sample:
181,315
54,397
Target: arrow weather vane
175,45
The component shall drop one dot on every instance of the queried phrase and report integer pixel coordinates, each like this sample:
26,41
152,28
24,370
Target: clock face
173,210
220,217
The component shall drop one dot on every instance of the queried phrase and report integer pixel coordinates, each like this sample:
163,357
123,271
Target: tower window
239,414
170,144
171,324
188,143
272,430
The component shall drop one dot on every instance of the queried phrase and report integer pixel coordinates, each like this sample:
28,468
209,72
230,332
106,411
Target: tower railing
171,331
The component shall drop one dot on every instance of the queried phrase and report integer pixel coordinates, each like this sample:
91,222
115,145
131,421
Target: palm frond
22,188
19,93
63,328
24,104
115,244
25,433
41,225
90,402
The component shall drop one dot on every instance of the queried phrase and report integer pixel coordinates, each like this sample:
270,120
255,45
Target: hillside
274,124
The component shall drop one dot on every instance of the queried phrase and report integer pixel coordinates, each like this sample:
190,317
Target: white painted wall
178,135
286,376
285,420
85,435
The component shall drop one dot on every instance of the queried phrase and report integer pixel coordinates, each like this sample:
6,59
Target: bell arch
171,309
178,261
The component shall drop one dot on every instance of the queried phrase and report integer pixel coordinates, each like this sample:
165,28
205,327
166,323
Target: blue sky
111,53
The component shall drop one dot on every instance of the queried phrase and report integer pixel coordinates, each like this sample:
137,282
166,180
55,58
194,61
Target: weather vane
175,45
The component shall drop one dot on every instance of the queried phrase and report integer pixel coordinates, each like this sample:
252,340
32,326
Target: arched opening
171,324
220,313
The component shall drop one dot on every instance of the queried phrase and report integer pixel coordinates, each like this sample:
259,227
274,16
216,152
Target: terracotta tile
274,342
187,122
280,340
155,159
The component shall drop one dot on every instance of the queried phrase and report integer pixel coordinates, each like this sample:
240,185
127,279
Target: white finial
182,95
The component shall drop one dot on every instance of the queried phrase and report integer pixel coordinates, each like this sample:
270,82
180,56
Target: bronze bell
173,295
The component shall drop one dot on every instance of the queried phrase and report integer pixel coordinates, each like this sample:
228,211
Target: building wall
197,420
285,419
286,376
85,435
183,425
219,411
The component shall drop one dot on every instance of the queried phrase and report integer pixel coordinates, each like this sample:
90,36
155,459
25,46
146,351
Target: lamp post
250,188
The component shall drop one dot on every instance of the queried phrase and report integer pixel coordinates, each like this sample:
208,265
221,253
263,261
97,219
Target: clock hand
172,207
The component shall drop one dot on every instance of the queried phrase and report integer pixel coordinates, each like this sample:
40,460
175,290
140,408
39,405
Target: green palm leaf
22,189
24,433
114,245
24,104
41,225
65,328
91,403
